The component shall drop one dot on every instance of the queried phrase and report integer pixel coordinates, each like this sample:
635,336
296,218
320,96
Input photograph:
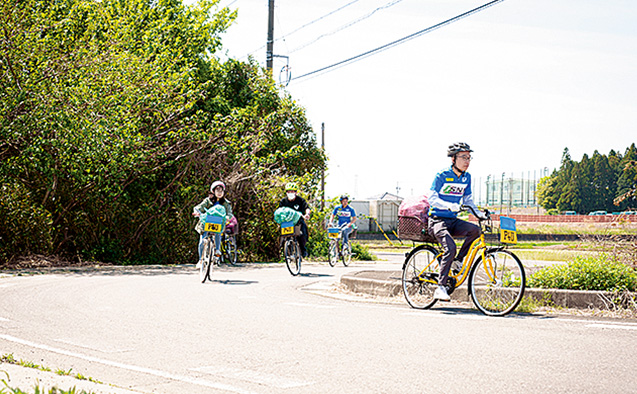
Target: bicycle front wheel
333,255
292,254
420,277
206,260
497,283
347,254
230,249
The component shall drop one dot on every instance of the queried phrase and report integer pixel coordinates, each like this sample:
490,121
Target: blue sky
519,82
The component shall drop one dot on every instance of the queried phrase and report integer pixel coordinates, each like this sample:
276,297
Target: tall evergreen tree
603,182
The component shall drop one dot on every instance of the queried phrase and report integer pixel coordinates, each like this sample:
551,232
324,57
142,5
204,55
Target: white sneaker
441,294
198,264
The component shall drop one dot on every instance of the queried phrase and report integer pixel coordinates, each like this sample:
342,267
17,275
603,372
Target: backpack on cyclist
413,219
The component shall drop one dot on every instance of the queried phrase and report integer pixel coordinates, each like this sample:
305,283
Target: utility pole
488,178
502,194
323,172
270,43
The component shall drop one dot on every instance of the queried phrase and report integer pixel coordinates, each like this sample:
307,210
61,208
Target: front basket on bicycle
413,228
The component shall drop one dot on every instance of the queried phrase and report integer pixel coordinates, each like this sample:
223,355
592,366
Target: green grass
10,359
530,304
550,255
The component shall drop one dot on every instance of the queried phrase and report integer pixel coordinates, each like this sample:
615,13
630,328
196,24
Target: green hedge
587,273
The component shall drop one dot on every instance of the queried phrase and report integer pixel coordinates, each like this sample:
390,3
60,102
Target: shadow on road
235,282
459,310
311,275
112,270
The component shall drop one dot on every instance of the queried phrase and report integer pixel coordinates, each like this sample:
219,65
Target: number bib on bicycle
287,229
214,224
508,234
334,232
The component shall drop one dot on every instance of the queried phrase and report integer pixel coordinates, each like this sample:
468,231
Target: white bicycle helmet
215,184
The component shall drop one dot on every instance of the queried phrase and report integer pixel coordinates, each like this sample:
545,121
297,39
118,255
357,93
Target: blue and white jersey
344,215
449,188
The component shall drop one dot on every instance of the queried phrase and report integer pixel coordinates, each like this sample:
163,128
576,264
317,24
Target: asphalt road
260,330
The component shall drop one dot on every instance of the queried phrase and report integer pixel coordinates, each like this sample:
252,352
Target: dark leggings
303,237
443,229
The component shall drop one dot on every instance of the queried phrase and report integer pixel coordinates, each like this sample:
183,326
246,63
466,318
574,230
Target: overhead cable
350,24
305,25
401,40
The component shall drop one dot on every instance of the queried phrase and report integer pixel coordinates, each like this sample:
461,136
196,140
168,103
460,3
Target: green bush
361,252
587,273
25,226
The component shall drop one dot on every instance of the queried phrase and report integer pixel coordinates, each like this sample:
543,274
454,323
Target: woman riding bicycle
215,196
451,188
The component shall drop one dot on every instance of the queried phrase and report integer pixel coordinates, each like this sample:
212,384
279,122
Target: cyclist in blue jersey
346,215
450,189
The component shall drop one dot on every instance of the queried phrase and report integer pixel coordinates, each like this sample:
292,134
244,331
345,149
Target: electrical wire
400,41
350,24
304,26
318,19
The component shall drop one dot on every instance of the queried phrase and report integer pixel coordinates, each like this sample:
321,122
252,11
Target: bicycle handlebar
486,212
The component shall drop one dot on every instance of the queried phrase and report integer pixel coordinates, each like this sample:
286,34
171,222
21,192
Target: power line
350,24
304,26
402,40
318,19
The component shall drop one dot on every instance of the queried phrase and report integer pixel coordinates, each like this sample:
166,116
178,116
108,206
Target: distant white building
384,208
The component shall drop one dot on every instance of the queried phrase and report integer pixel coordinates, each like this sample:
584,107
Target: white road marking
254,377
592,323
619,326
135,368
310,305
3,319
91,347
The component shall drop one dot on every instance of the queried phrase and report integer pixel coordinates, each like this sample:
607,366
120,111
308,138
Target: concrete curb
388,284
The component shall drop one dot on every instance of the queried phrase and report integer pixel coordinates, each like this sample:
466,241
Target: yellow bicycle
496,275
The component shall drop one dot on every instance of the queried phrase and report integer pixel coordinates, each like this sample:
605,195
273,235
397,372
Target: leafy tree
547,194
115,118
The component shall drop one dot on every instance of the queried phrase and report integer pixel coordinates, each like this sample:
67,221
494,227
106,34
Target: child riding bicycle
216,196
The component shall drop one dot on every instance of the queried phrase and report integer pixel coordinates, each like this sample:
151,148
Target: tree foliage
115,117
601,182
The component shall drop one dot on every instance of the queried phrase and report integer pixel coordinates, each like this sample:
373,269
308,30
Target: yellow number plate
333,235
508,237
287,230
213,227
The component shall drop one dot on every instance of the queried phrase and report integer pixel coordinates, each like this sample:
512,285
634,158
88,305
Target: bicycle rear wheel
292,254
420,277
346,255
333,255
497,283
206,260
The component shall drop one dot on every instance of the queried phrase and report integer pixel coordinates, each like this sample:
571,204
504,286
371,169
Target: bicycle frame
478,247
